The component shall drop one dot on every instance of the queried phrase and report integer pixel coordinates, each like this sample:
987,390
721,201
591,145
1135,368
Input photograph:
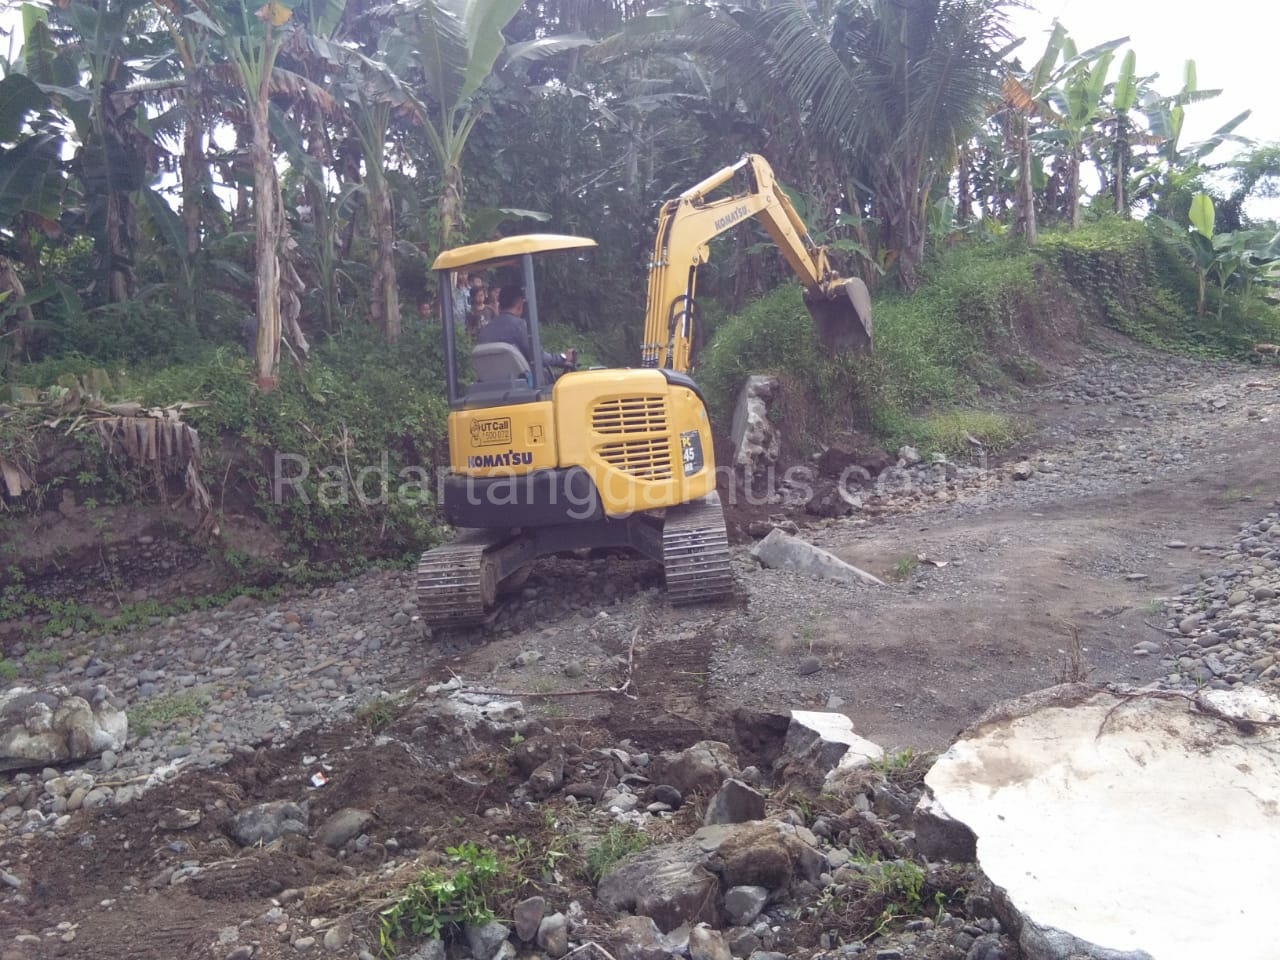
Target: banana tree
457,44
371,91
252,40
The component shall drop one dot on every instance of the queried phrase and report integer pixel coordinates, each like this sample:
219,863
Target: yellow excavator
605,458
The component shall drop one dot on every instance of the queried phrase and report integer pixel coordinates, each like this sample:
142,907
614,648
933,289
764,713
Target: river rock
54,726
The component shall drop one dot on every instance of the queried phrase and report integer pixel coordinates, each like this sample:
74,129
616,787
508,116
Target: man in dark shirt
509,327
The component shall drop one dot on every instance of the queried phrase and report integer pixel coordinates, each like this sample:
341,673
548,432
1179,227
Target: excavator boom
841,308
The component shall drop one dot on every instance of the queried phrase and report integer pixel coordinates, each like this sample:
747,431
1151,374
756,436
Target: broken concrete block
756,442
785,552
825,745
1085,803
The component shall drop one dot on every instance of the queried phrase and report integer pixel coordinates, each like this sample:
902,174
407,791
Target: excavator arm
840,307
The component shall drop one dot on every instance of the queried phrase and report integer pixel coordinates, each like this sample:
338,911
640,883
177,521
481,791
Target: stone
345,824
668,795
908,456
743,904
485,938
757,444
431,950
782,551
809,665
553,935
337,936
707,944
734,802
822,745
532,752
765,854
548,776
528,915
940,836
1056,783
987,947
638,938
54,726
268,822
702,767
668,883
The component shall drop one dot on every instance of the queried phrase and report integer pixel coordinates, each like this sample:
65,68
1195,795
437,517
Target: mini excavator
606,458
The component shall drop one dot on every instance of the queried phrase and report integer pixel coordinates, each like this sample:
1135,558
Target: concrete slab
1125,827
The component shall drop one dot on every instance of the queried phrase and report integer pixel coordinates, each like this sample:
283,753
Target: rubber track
695,554
448,582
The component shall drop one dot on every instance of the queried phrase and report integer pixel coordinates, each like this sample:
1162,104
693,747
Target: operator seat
499,361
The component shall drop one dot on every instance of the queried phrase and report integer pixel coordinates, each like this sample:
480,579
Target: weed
438,900
47,659
621,840
1155,607
157,712
892,763
8,670
1236,495
380,712
904,568
1075,667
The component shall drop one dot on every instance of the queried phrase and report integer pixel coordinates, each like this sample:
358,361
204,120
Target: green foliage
948,431
150,715
437,900
621,840
8,669
1134,280
944,344
351,443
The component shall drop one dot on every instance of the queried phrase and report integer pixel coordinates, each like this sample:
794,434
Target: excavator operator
509,327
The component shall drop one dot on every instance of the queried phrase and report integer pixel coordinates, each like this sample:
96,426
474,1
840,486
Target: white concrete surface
1137,826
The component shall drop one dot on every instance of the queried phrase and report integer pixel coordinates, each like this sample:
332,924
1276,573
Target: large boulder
40,728
682,883
785,552
1111,822
702,768
757,444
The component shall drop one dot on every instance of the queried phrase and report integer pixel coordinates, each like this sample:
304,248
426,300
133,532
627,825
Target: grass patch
621,840
158,712
8,669
379,713
949,431
904,568
44,659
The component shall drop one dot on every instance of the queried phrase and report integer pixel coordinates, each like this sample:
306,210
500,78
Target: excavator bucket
843,316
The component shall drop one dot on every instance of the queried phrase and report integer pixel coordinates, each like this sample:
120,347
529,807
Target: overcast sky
1234,43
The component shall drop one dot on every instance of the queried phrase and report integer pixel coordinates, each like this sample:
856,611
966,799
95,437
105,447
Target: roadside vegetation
1049,190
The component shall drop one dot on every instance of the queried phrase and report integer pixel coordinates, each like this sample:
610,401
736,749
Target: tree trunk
266,217
386,294
1026,194
450,204
11,284
121,229
318,201
1073,187
1122,165
195,174
964,198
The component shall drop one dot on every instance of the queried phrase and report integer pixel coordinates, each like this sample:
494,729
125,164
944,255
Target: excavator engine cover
843,317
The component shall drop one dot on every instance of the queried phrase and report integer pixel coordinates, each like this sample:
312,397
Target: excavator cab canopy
517,251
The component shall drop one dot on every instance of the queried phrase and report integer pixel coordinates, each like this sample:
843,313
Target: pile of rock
1224,631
